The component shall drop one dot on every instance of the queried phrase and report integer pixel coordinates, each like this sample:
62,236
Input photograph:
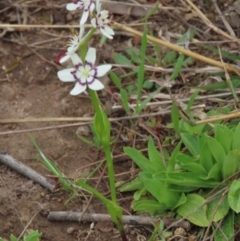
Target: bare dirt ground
29,87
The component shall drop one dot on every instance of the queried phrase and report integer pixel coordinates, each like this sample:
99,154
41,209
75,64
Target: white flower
73,45
101,20
86,5
85,75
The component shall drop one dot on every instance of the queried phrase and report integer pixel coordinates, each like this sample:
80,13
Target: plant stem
106,147
87,37
95,100
111,177
92,190
83,44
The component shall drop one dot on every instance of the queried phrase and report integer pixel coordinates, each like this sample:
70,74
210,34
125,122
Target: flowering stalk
85,75
102,128
83,44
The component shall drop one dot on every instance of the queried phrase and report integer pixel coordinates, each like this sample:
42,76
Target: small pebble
83,131
70,230
180,232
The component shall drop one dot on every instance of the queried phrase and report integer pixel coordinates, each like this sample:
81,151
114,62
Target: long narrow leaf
177,67
141,71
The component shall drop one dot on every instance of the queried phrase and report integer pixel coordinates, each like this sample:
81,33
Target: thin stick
87,120
217,118
25,171
126,219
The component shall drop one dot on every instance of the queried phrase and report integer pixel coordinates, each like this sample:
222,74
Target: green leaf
33,236
13,238
121,59
116,80
186,37
191,101
135,184
237,219
188,61
152,60
218,210
221,85
150,13
148,84
172,160
143,163
170,57
139,193
217,151
115,212
230,165
188,163
206,158
134,53
177,67
181,201
224,136
85,140
226,230
175,117
102,127
160,191
234,196
224,54
184,178
181,189
236,138
147,100
191,143
124,98
141,70
194,210
190,129
153,207
154,155
52,167
214,173
131,89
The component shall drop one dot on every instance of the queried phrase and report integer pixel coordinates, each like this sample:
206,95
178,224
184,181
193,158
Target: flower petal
81,32
96,85
102,69
98,6
91,56
65,75
106,31
64,58
75,59
94,22
72,6
92,7
78,89
84,17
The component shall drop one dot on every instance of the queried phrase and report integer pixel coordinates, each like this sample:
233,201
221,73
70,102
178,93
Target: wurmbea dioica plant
85,75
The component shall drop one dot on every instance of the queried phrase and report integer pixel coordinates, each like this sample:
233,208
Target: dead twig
126,219
25,171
